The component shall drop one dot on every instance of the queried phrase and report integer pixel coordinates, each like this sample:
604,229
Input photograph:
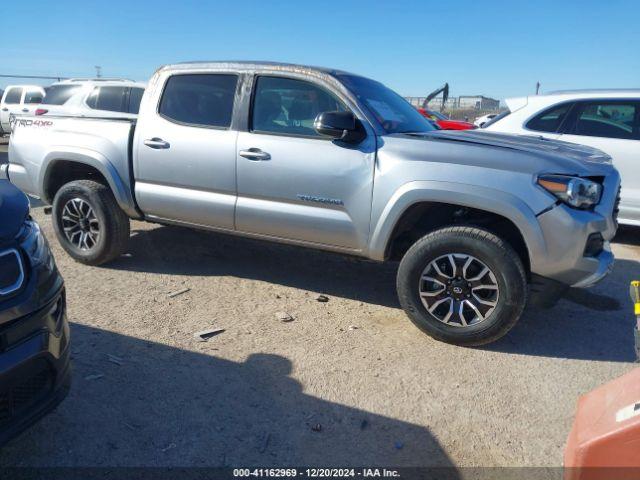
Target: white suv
608,120
93,97
18,100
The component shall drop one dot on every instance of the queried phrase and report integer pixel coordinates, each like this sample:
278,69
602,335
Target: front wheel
462,285
88,222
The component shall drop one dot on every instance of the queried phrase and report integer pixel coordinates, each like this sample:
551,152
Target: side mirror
340,126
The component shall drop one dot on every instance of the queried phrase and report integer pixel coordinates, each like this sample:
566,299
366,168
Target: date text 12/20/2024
316,472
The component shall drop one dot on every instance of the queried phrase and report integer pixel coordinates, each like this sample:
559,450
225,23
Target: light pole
98,71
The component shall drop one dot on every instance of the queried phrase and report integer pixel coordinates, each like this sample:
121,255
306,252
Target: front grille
616,207
23,393
11,272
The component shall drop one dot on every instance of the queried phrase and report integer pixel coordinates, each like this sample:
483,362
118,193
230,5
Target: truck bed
39,143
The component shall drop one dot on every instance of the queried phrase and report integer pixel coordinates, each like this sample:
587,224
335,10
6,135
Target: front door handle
5,109
254,154
156,143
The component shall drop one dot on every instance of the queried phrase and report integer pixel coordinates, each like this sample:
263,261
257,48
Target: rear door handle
5,109
156,143
25,110
254,154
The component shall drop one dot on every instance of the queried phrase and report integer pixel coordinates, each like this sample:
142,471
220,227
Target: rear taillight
41,111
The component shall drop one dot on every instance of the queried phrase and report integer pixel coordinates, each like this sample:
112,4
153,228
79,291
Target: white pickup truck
18,100
327,159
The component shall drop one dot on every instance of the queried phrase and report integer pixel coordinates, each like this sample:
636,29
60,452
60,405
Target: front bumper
566,233
34,348
601,266
34,366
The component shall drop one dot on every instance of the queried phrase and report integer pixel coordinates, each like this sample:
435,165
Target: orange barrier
606,432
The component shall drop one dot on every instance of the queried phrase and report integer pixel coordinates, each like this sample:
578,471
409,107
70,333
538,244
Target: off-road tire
495,253
114,223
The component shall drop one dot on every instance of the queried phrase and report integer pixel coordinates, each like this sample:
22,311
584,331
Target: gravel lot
354,368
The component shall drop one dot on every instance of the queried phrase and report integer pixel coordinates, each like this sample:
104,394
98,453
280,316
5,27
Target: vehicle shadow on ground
628,235
594,324
183,251
157,405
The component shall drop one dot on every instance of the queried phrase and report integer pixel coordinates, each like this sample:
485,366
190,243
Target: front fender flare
483,198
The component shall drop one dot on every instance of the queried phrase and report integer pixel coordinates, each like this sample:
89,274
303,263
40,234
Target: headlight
34,243
574,191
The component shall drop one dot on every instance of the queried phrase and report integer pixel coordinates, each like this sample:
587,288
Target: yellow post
634,290
635,296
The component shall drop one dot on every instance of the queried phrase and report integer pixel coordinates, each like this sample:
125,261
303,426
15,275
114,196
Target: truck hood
14,208
546,155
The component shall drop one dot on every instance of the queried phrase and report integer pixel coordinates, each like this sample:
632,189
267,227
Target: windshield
393,112
438,115
496,118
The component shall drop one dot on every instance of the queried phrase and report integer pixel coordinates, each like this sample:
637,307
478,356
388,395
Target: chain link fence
454,111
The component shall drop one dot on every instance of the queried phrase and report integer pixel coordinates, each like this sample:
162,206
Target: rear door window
204,100
549,120
59,94
111,99
33,96
607,119
13,96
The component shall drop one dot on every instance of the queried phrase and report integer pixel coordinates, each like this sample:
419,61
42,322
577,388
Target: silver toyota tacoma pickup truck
331,160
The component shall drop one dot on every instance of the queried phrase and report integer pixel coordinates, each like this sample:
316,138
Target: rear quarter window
60,94
135,97
550,119
111,99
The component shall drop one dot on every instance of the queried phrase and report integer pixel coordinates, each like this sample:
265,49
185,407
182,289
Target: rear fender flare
94,159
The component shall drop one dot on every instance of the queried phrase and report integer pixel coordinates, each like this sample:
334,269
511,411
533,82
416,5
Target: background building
435,103
463,102
477,102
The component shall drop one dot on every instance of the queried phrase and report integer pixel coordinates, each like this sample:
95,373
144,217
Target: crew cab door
295,184
612,126
11,105
185,153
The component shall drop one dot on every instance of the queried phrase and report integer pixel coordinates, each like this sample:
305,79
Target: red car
443,122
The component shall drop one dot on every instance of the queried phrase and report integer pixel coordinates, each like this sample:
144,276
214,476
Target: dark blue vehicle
34,333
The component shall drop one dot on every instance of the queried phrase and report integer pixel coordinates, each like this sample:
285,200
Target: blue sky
495,48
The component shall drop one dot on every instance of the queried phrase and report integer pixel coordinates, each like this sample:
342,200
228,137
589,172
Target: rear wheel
462,285
88,222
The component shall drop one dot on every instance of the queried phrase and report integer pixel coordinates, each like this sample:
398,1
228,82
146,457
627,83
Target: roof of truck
104,82
253,65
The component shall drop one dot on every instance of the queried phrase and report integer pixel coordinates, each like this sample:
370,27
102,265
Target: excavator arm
445,96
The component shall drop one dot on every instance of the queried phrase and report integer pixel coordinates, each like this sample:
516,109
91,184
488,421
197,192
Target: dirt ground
349,381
